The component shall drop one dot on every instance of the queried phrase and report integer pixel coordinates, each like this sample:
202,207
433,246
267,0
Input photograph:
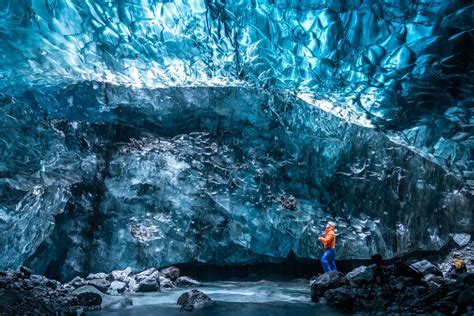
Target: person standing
329,243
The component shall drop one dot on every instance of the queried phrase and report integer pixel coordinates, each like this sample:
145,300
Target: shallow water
231,298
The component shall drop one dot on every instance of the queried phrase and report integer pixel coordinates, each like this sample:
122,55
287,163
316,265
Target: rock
132,285
185,281
26,272
466,297
465,279
89,299
100,284
144,274
341,297
326,281
149,284
360,275
461,239
426,267
171,273
117,287
193,298
99,275
77,282
434,280
402,269
166,284
120,275
9,297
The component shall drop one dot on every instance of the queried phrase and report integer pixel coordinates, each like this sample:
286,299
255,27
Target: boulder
117,287
185,281
466,297
360,275
193,298
465,279
171,273
166,284
426,267
461,239
340,297
402,269
326,281
77,282
149,284
89,299
132,285
100,284
120,275
144,274
94,276
26,272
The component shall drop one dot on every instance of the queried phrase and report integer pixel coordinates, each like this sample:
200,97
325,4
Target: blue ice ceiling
404,66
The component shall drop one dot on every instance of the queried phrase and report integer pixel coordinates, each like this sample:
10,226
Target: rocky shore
397,288
24,293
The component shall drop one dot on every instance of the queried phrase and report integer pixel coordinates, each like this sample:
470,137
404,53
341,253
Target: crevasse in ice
155,132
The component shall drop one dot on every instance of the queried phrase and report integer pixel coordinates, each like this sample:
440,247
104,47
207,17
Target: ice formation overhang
402,66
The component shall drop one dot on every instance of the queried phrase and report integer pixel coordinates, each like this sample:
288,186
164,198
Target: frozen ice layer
156,177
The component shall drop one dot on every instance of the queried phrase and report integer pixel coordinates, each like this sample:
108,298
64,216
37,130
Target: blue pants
327,260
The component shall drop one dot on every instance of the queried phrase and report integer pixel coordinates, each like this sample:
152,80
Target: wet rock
100,284
171,273
402,269
193,298
360,275
132,285
77,282
426,267
466,298
9,297
465,279
149,284
341,297
120,275
185,281
117,287
146,273
326,281
26,272
89,299
461,239
166,284
99,275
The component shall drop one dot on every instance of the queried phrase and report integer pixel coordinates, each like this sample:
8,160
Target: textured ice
361,110
403,66
173,175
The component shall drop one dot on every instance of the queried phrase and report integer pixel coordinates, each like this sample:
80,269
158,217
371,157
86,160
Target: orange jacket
329,241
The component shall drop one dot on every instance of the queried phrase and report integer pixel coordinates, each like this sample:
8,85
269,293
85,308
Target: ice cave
161,157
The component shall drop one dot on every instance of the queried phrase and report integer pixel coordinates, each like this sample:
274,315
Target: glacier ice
404,66
155,132
155,177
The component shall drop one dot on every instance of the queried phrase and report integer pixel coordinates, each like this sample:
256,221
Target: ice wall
157,177
362,110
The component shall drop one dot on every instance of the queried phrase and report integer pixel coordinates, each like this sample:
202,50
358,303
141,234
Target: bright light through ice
337,110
